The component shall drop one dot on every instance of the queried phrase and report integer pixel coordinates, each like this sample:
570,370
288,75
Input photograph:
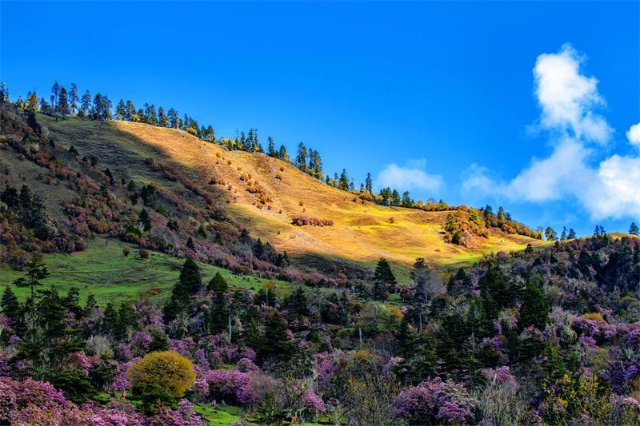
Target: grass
103,270
225,415
222,415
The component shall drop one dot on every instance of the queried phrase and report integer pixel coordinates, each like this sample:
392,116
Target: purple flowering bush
435,402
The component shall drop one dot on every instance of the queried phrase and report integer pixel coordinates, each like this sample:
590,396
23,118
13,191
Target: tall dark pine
73,98
11,308
343,182
534,310
63,103
190,276
633,229
55,93
271,147
4,92
368,183
36,271
283,154
384,282
420,275
301,157
121,110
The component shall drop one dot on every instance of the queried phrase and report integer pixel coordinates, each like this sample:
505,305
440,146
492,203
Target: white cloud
618,189
567,97
552,178
633,134
606,189
413,176
476,181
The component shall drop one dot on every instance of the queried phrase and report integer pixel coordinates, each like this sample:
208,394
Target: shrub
165,372
436,402
311,221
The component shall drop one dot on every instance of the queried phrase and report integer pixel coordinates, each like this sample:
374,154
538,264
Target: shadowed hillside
267,194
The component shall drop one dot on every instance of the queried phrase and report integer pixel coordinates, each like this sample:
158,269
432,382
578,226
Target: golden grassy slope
362,232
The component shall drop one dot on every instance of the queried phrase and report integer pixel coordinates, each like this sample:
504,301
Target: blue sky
437,98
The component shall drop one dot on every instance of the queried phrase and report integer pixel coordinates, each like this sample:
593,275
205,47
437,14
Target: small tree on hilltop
550,234
633,229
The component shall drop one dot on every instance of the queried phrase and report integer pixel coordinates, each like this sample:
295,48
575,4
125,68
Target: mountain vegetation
284,296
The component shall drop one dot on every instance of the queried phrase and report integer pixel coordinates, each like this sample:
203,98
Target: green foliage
384,282
36,272
534,310
161,377
217,284
275,345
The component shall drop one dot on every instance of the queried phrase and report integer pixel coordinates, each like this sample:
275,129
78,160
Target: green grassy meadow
104,271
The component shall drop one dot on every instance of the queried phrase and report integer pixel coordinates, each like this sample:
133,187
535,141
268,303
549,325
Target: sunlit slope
266,194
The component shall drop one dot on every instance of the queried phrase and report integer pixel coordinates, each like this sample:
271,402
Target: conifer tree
572,234
121,110
283,154
384,282
275,345
633,229
172,115
36,271
550,234
4,92
271,147
211,135
73,98
190,277
534,310
420,301
395,198
297,303
368,183
55,93
217,284
130,112
85,105
406,199
145,220
301,157
11,307
343,181
63,103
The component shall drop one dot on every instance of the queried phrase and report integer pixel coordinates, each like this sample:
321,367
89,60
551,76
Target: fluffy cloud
606,189
633,134
567,97
618,189
413,176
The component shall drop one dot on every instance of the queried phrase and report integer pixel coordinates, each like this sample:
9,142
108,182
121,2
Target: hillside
265,194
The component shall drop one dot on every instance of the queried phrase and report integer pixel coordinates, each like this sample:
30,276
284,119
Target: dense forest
549,335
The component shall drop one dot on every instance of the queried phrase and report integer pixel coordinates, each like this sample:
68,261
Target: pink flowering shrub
313,402
499,375
435,402
34,403
226,385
